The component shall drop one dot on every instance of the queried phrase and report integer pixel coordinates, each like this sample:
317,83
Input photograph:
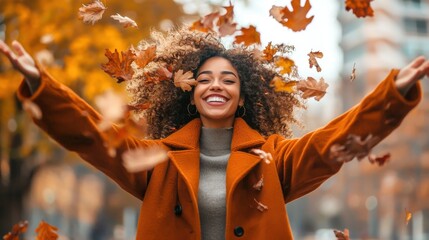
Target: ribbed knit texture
215,148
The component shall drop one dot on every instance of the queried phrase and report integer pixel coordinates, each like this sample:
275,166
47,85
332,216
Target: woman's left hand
409,75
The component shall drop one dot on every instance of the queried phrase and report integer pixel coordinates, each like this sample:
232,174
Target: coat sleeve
304,164
72,122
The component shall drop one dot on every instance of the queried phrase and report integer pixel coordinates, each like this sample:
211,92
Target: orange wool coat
169,207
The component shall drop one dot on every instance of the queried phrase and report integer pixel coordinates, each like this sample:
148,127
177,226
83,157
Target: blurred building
376,199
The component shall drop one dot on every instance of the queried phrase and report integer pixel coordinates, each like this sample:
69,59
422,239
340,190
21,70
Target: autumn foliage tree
72,51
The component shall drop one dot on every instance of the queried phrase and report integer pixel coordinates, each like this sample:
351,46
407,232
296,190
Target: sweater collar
188,137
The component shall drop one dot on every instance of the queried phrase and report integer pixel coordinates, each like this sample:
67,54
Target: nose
215,85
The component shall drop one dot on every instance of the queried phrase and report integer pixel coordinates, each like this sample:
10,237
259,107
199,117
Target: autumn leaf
143,57
249,36
280,85
46,232
227,29
184,81
379,160
124,20
32,109
92,12
408,216
160,74
312,88
227,17
198,26
17,230
360,8
285,64
353,74
313,61
269,52
117,68
112,107
342,235
296,20
143,159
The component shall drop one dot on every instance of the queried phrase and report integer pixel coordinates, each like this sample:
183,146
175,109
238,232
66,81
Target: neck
215,141
217,123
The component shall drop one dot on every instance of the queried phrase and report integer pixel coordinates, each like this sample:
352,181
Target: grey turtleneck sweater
215,148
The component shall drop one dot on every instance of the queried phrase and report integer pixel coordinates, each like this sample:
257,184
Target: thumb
19,49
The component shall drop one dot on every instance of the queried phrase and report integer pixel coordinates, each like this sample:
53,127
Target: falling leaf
117,68
227,17
312,88
184,81
208,20
379,160
112,107
408,216
353,74
124,20
342,235
313,61
46,232
249,36
227,29
92,12
143,57
269,52
160,74
258,186
285,64
360,8
296,20
280,85
140,159
32,109
17,230
267,157
261,207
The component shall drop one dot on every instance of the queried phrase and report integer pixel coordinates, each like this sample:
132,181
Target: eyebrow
223,72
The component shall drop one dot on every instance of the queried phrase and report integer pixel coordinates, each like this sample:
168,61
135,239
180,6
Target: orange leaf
269,52
92,12
380,160
312,88
139,159
249,36
360,8
313,61
184,80
342,235
296,19
354,146
17,230
285,64
143,57
208,20
227,29
198,26
160,74
282,86
125,21
228,16
46,232
408,216
117,68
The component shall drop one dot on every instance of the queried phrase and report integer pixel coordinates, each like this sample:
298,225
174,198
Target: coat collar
189,135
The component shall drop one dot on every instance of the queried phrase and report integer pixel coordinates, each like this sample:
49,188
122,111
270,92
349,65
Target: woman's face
217,94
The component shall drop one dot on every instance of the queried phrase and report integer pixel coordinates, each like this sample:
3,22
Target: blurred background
41,181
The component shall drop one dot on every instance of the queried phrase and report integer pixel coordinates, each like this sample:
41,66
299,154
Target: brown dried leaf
313,61
312,88
227,29
360,8
17,230
112,108
269,52
139,159
143,57
46,232
342,235
353,74
249,36
228,17
208,20
285,64
198,26
184,80
124,20
117,68
379,160
280,85
32,109
296,20
92,12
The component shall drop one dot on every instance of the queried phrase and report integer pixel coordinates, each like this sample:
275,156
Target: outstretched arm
413,72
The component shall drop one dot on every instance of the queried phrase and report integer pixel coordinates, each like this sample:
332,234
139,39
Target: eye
203,80
228,81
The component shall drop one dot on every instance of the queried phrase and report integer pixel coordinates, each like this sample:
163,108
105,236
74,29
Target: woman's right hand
23,62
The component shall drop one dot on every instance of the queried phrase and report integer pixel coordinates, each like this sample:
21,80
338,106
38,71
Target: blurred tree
72,52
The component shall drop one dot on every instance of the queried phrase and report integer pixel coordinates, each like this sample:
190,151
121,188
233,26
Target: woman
213,185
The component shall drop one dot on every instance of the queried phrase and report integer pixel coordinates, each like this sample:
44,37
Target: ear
241,102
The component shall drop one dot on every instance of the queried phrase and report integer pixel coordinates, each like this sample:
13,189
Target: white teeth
216,99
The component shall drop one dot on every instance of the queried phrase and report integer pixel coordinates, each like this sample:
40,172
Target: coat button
178,210
238,231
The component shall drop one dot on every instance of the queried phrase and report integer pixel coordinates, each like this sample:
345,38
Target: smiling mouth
216,99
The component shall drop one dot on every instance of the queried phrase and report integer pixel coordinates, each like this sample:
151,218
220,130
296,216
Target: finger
19,49
417,62
7,51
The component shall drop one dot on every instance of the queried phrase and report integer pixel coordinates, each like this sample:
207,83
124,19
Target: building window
416,26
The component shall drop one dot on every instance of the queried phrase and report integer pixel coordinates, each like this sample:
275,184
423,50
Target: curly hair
267,111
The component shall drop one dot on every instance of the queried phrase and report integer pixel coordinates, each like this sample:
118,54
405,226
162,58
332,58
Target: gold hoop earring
244,111
189,111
